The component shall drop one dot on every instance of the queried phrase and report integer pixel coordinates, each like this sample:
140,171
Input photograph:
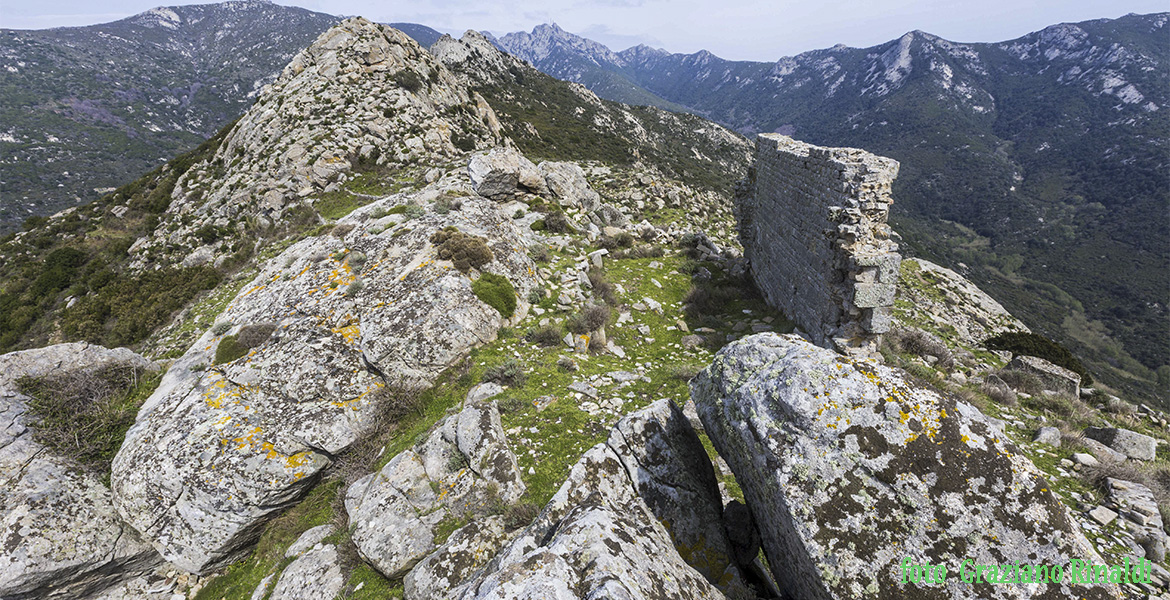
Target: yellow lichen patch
254,289
299,459
350,333
301,273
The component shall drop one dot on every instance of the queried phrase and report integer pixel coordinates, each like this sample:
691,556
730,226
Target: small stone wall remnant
813,225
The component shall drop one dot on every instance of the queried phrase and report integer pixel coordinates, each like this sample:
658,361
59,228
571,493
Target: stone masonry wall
813,225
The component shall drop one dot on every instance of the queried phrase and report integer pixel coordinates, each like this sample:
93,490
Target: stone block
1055,378
871,295
1129,443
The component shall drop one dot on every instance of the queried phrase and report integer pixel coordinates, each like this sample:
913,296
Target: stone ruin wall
813,225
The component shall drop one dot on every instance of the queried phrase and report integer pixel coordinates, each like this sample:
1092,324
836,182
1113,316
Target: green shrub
602,288
1030,344
462,141
408,80
228,350
497,292
397,210
537,225
466,251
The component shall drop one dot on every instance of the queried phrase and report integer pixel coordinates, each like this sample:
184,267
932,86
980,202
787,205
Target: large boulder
567,183
1130,443
460,471
1053,377
670,470
60,536
596,538
332,321
315,571
503,172
850,470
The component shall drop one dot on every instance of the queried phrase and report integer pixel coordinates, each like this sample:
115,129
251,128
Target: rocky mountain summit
410,346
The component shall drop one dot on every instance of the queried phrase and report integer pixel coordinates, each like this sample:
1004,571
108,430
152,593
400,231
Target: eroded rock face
218,448
460,471
567,183
848,469
671,472
596,538
60,536
503,172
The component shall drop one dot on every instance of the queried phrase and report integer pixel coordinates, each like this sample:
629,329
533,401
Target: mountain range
1036,166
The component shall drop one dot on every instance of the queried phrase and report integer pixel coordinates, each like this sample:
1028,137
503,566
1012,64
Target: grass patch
335,205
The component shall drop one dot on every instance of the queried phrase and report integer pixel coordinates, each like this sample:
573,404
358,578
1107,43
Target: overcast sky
734,29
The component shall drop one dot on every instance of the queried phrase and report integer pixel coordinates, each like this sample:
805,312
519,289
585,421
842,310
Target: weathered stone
948,301
596,538
314,575
1083,459
307,540
848,469
1102,452
813,227
461,470
1057,379
218,449
670,470
60,536
468,549
1129,443
1139,506
567,183
1048,435
497,173
1102,515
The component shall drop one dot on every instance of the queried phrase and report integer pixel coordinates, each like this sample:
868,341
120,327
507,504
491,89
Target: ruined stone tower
813,225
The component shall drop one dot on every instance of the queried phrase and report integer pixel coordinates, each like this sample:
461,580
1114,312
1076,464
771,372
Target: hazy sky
735,29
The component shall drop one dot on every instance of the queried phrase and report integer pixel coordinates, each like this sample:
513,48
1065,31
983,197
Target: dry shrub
510,373
920,343
1001,394
1021,381
540,253
591,319
466,251
549,335
85,414
639,251
602,288
1064,406
520,515
556,222
621,240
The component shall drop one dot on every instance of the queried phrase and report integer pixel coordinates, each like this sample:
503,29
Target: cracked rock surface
60,536
218,448
848,468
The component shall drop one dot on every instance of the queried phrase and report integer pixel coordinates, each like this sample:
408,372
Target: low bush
497,292
540,253
621,240
920,343
538,225
590,319
557,223
602,288
466,251
234,347
510,373
1030,344
549,335
1021,381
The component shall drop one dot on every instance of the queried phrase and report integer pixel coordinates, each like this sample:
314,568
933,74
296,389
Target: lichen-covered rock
461,470
218,448
567,183
848,469
60,536
458,558
596,538
314,574
503,172
671,472
1052,377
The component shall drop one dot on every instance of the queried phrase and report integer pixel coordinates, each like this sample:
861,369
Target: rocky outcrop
849,469
566,181
219,448
60,536
595,538
946,301
1129,443
361,94
638,517
1053,377
460,471
314,573
503,172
